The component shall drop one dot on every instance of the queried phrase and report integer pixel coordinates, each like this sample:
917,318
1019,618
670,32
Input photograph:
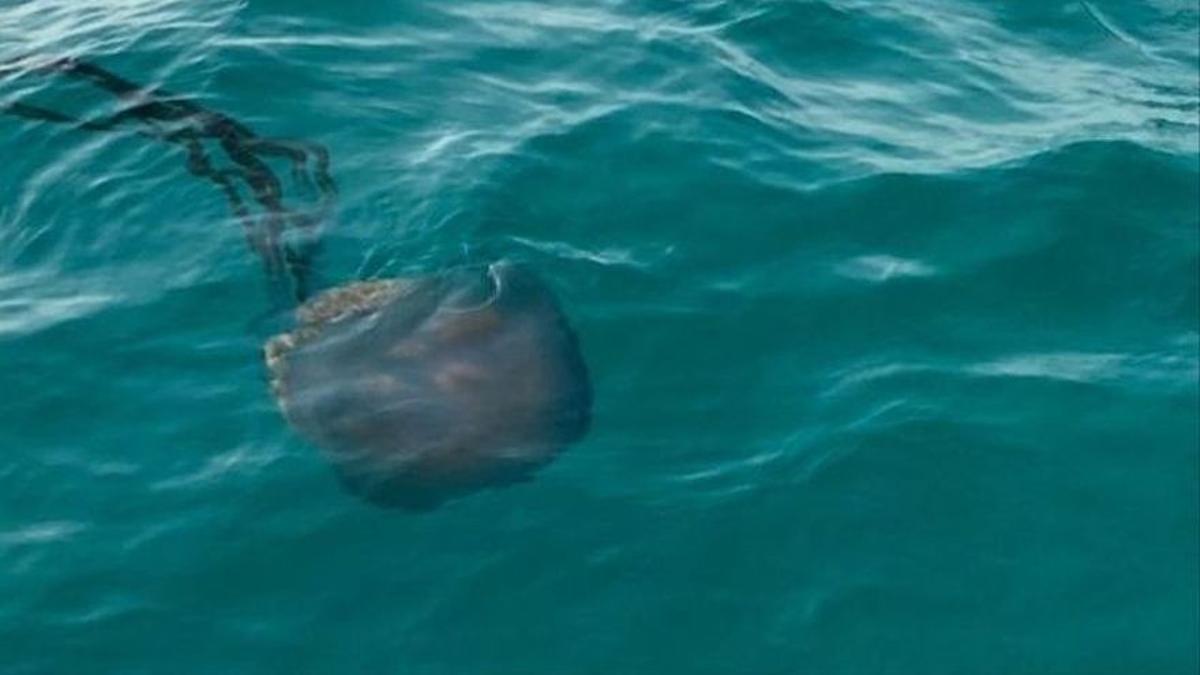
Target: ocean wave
890,307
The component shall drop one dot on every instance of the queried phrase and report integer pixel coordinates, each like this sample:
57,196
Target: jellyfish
424,388
418,390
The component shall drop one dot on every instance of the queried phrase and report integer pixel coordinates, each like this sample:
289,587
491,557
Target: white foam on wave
1175,366
879,268
243,459
1091,367
608,256
20,316
40,533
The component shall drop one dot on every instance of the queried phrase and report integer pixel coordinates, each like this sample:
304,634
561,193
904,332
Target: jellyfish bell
423,389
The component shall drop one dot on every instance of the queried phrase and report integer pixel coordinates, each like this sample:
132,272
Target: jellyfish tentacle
300,153
40,114
199,165
176,120
102,78
278,148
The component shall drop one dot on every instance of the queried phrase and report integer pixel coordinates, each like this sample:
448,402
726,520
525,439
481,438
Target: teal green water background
891,309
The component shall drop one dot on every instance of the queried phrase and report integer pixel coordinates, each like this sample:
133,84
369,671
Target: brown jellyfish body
424,389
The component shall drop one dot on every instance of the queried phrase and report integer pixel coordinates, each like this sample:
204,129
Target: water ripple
890,306
42,533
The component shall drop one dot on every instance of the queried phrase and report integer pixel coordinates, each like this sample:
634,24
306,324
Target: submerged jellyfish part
424,389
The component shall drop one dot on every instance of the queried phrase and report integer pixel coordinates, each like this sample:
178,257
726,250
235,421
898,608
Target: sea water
891,310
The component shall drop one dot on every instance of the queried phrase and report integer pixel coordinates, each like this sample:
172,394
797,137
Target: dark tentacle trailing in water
184,123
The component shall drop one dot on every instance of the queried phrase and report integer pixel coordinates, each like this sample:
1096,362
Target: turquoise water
892,311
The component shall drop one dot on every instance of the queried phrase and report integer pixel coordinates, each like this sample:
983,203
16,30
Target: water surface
891,310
